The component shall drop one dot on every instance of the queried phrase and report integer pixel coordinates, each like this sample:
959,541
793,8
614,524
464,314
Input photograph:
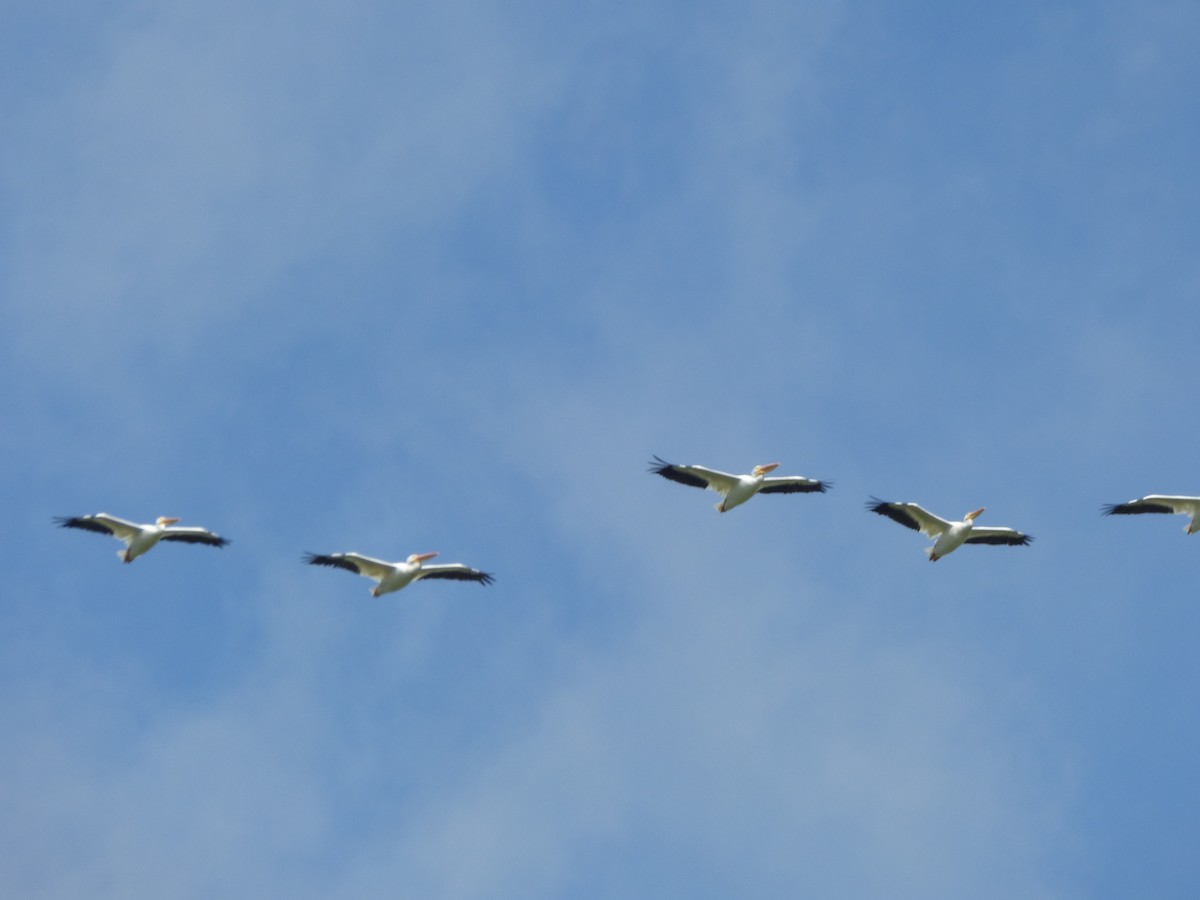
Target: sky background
397,277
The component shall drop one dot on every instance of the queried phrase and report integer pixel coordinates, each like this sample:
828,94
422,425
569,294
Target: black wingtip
673,472
84,523
332,560
1136,508
1020,540
894,511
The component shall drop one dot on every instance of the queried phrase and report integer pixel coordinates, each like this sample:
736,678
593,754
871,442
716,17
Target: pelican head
164,521
763,470
421,557
970,517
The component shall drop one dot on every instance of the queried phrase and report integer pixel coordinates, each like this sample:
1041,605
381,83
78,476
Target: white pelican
1160,503
949,535
390,577
737,489
138,539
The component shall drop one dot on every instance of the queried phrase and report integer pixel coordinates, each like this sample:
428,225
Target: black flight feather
796,488
84,522
674,473
900,515
458,575
193,537
1012,540
1134,508
334,562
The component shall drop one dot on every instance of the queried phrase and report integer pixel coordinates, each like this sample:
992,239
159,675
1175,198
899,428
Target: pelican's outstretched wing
193,535
352,562
989,535
793,484
455,572
1155,503
910,515
101,523
694,476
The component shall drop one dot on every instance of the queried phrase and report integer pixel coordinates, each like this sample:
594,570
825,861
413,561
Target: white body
742,488
393,577
140,541
950,539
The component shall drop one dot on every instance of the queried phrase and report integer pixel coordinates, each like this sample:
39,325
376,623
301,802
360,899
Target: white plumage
737,489
948,536
139,539
389,576
1160,503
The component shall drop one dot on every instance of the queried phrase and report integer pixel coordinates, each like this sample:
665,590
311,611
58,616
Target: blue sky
387,278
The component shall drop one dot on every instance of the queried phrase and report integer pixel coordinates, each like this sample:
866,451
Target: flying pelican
737,489
390,577
1160,503
949,535
138,539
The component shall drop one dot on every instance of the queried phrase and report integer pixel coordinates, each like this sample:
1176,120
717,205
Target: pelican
390,577
1160,503
737,489
949,535
138,539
